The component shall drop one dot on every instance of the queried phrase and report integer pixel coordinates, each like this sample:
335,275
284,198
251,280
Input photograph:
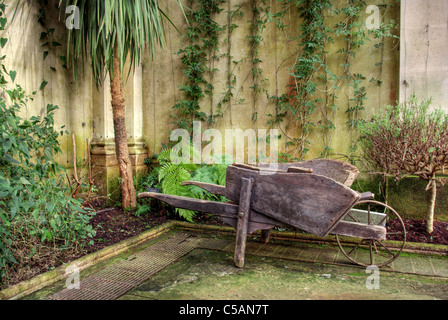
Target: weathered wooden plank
193,204
299,170
291,169
310,202
243,221
342,172
253,225
212,188
360,230
257,168
265,235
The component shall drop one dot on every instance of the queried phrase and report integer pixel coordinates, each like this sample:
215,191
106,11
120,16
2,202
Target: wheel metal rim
373,243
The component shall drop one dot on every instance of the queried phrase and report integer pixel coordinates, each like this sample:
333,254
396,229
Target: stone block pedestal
105,169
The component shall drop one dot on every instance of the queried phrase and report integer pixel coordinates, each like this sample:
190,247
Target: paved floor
120,278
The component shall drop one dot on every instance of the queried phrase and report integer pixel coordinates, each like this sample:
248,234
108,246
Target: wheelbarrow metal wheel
371,252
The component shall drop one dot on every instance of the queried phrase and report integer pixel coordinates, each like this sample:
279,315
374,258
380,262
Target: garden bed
416,232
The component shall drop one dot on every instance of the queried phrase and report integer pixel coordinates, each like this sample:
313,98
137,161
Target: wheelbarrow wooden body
293,195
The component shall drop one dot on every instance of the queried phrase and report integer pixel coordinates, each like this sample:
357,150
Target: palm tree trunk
128,196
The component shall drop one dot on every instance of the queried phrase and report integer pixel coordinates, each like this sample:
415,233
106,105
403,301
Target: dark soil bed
416,231
113,226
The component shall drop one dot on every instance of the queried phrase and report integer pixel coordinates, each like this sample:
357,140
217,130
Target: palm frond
129,26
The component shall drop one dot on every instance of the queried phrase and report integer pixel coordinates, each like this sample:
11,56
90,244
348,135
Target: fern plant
215,174
171,176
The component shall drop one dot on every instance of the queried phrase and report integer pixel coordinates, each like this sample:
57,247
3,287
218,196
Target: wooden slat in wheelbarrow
339,171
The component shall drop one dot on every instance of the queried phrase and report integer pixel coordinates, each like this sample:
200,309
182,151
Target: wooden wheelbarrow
313,196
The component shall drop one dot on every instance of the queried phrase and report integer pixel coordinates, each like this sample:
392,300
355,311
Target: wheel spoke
395,233
368,214
374,245
349,214
382,220
357,246
387,249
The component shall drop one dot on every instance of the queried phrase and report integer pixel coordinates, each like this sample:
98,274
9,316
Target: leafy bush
35,207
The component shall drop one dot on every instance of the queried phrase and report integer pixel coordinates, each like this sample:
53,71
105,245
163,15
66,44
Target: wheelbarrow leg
243,222
265,235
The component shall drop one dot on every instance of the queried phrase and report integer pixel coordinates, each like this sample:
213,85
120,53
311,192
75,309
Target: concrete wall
278,53
24,54
85,110
424,43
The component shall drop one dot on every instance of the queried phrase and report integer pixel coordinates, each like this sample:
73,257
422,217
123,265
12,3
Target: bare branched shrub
409,139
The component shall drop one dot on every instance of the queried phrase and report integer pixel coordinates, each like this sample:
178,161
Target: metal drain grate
117,279
95,288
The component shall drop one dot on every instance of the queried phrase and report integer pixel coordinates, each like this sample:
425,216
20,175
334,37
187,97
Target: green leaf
12,75
33,252
43,85
11,159
24,181
51,108
2,23
3,42
10,257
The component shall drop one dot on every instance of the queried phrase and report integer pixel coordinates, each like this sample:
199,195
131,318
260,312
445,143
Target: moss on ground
210,275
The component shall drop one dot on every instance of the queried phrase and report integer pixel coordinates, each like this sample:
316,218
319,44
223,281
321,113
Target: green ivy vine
311,98
49,43
232,14
313,85
258,25
202,48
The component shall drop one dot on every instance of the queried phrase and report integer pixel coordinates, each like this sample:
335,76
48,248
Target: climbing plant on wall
299,102
226,100
322,78
258,25
314,85
197,57
353,31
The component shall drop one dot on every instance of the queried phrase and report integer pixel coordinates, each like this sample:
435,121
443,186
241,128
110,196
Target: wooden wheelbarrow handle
367,196
210,187
227,211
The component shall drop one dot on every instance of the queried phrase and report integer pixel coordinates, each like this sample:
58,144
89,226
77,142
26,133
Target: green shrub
35,204
36,209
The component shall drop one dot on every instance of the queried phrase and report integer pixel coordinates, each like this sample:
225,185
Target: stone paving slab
117,279
440,267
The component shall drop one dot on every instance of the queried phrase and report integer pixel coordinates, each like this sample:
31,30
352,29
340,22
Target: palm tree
110,32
